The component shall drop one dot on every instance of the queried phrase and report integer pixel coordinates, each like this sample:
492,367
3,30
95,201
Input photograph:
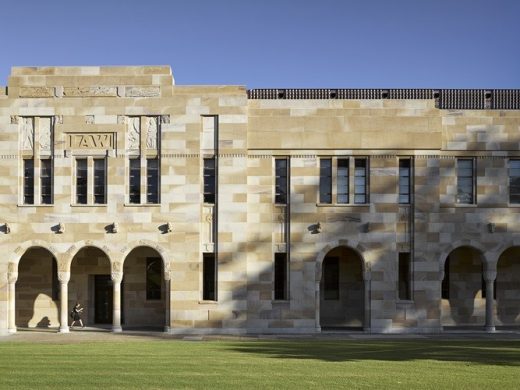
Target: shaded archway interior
507,288
342,290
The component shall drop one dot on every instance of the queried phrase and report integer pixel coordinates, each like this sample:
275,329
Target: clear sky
275,43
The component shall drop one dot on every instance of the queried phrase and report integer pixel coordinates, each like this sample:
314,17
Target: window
360,181
280,276
465,181
514,181
331,278
81,181
404,180
404,277
28,181
99,181
152,180
46,181
326,180
153,278
342,180
209,277
209,180
134,185
281,181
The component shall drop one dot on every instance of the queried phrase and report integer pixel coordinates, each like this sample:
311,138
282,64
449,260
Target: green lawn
299,364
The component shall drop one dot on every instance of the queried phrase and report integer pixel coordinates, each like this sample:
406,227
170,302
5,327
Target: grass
298,364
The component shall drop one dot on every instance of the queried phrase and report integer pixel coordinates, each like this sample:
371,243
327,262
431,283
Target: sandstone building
214,209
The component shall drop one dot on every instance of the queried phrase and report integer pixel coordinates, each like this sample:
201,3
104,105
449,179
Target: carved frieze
151,132
27,133
94,91
91,140
45,134
133,134
153,91
36,92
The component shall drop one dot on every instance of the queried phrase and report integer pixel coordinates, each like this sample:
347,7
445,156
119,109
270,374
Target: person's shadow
44,323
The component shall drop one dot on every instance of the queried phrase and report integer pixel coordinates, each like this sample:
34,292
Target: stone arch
459,244
74,249
125,251
24,247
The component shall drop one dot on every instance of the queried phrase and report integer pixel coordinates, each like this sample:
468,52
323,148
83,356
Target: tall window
28,181
514,182
325,180
281,181
331,278
81,181
100,181
342,180
465,181
152,180
280,276
209,277
209,180
46,181
360,181
404,276
404,180
134,184
153,278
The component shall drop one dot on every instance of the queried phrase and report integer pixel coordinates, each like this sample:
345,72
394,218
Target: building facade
214,209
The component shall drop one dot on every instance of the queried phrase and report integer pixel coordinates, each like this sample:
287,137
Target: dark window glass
465,181
135,181
281,181
81,181
342,180
514,181
445,289
326,180
55,282
280,276
28,181
153,278
331,278
404,276
209,180
46,181
209,277
360,181
404,180
100,181
152,180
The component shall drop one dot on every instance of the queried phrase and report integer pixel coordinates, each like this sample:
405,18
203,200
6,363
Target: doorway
103,299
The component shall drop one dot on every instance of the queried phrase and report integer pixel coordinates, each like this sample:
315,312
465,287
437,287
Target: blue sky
276,43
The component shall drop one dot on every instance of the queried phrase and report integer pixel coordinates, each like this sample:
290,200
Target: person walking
76,315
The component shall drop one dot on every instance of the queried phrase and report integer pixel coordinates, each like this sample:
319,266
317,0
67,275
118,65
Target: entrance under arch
463,289
342,290
507,288
144,293
37,290
91,285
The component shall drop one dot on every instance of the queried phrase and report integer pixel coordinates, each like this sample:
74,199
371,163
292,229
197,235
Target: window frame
281,181
209,277
28,181
46,181
407,178
77,186
99,183
209,174
280,276
511,178
134,172
472,178
404,273
153,193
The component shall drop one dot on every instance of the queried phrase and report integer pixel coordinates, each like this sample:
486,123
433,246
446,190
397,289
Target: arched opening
342,295
463,289
91,285
37,290
143,290
507,288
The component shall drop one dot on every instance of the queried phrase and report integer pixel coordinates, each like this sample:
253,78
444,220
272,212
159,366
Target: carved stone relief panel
133,134
27,133
45,134
151,132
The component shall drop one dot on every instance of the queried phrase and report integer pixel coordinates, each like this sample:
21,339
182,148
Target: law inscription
91,141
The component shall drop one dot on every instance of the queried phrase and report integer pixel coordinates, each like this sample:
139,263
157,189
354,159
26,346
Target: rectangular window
280,276
325,180
134,185
153,278
342,180
360,181
514,181
209,180
81,181
404,180
99,181
404,277
465,181
46,181
281,181
152,180
209,277
28,181
331,278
